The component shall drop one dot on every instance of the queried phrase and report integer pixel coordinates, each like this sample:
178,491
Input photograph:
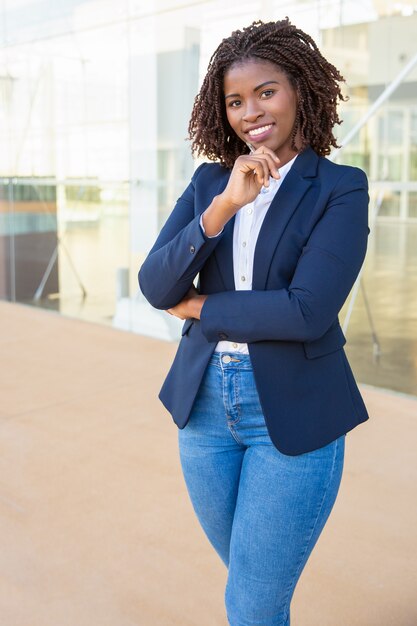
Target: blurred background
95,97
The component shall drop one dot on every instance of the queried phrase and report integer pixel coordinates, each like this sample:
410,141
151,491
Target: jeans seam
224,392
235,398
235,435
300,561
236,383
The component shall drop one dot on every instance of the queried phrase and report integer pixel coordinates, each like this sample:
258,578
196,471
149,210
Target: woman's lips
258,134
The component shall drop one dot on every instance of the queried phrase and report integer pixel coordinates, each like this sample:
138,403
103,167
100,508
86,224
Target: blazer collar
306,164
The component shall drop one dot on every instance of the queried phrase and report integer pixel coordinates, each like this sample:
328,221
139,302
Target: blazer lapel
285,202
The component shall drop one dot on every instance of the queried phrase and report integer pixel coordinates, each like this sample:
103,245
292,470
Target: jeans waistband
233,360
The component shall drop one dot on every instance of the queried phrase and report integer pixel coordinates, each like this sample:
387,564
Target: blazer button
192,249
223,336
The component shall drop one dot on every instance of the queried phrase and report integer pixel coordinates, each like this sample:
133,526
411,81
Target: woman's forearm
189,307
217,214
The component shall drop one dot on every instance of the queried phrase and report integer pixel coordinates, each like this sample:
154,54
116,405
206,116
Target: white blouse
248,222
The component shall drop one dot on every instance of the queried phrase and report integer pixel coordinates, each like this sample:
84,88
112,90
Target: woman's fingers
271,159
267,151
249,173
258,169
263,165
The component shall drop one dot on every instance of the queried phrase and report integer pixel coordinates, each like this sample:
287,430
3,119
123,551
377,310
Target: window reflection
95,99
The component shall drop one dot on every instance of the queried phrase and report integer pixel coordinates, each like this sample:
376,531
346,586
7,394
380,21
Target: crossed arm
325,273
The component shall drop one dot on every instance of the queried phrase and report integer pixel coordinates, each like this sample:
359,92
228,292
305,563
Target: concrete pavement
96,528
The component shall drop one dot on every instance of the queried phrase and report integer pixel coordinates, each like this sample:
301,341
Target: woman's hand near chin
250,172
190,306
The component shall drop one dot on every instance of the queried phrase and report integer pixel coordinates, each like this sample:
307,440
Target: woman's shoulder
310,164
209,170
340,171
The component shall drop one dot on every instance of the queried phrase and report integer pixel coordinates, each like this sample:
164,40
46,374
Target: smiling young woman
260,388
261,106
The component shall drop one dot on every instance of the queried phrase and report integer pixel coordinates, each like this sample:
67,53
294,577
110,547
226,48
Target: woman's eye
234,103
267,93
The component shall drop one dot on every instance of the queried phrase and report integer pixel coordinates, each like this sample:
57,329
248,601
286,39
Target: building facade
95,97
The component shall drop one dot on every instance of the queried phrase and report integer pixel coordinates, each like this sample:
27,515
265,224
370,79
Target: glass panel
28,233
94,237
390,205
391,128
412,204
391,137
413,145
94,110
390,166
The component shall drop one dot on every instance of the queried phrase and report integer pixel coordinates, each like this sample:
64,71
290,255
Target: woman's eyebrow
268,82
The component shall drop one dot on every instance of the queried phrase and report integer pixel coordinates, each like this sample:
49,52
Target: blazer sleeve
178,254
325,273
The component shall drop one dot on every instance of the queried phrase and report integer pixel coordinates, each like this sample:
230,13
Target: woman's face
261,106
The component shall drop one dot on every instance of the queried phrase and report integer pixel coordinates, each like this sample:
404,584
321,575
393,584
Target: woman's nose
252,113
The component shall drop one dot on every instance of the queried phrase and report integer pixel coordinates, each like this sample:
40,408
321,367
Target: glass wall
95,97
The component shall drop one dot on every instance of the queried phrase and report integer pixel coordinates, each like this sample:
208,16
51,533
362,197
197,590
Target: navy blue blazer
309,252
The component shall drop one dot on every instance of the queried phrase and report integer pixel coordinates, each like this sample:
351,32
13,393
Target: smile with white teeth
259,131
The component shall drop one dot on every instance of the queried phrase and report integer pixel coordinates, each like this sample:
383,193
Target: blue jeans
262,510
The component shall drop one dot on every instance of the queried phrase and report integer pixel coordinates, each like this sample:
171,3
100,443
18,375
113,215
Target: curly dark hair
315,80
